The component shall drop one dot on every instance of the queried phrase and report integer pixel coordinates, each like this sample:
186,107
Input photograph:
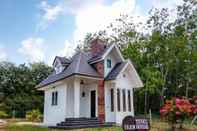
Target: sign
131,123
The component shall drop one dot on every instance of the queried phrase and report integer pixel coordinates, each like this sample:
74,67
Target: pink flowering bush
177,110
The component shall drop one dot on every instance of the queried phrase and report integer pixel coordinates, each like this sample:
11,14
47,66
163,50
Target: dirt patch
3,124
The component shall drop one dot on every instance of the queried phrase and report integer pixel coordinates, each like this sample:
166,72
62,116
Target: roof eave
75,74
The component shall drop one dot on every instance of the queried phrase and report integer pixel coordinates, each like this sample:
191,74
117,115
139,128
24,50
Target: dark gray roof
115,71
78,66
98,56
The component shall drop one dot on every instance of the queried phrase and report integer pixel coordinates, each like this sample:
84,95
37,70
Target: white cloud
3,54
98,17
92,16
170,4
50,13
67,50
33,49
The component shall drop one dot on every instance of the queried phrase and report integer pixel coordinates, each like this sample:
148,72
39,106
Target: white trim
139,81
108,51
88,77
60,81
51,85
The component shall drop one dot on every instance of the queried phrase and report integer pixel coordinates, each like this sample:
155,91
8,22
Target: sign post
131,123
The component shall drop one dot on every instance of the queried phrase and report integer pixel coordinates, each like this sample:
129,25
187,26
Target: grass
156,125
14,127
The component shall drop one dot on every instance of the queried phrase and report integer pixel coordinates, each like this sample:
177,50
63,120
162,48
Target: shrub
34,115
177,110
3,114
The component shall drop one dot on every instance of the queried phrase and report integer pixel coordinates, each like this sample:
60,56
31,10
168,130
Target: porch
82,97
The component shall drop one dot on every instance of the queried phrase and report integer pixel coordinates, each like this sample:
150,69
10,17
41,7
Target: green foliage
3,114
34,115
163,51
17,87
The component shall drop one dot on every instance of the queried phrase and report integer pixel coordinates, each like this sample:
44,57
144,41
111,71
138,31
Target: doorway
93,103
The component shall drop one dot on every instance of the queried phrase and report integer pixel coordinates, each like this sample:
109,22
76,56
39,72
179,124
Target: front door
93,103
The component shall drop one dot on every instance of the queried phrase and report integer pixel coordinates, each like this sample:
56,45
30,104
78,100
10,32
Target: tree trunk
145,103
186,90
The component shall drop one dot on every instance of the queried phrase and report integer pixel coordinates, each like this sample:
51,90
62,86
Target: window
124,100
58,69
54,98
118,99
108,63
112,100
129,100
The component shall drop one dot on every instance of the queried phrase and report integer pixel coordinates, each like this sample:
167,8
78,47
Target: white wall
109,116
70,100
121,83
124,83
85,101
55,113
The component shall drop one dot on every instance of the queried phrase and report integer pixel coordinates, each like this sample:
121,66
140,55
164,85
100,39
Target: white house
95,84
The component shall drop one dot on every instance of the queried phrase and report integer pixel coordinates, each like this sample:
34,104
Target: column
101,101
115,101
76,98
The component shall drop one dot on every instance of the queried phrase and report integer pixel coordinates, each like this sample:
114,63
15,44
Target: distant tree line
17,87
163,50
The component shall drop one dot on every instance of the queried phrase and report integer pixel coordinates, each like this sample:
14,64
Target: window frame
109,63
54,98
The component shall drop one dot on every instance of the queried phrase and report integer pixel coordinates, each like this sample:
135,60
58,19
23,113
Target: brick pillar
101,92
101,101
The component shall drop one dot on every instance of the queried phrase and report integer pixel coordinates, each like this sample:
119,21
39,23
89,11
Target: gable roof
100,56
78,66
120,67
115,71
63,60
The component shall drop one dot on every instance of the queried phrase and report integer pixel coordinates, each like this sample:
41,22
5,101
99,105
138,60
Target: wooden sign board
131,123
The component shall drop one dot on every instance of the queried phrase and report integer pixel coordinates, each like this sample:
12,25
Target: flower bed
176,110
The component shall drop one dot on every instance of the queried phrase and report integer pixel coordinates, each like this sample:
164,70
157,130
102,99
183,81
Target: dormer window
60,63
108,63
58,67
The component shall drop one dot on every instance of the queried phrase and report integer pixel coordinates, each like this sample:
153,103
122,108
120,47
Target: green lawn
157,125
33,128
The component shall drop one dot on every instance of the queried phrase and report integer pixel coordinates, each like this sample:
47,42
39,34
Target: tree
17,86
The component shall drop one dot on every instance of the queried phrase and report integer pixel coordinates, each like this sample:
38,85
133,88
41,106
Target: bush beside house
34,115
176,110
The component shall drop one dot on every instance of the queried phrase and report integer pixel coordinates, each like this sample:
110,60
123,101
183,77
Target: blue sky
38,30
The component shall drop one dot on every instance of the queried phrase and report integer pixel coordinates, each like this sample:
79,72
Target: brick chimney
97,46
